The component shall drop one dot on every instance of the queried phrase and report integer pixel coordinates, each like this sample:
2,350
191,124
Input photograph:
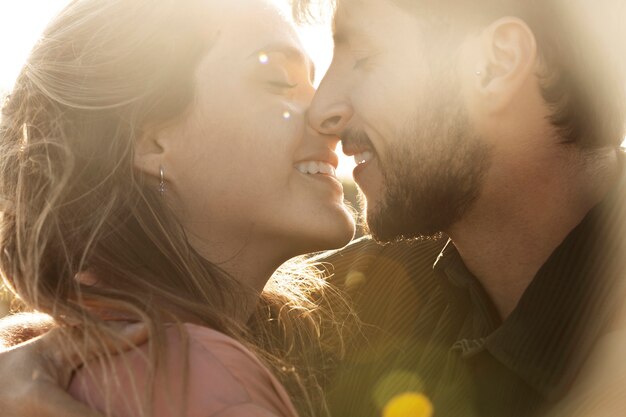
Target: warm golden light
22,22
409,405
264,58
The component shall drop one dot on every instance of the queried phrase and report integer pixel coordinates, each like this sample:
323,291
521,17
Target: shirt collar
468,299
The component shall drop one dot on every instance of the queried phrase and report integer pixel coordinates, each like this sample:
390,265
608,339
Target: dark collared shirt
434,330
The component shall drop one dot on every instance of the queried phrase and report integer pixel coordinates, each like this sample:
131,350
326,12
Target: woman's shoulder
211,343
208,371
213,351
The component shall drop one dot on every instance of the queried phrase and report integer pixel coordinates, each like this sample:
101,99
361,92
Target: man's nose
330,112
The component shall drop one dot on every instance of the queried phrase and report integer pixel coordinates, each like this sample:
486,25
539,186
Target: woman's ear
149,152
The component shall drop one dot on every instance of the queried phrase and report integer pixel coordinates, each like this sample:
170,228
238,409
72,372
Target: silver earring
162,183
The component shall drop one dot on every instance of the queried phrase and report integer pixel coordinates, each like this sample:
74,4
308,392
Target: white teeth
316,167
361,158
326,169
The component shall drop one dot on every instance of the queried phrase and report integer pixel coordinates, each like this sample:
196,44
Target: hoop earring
162,183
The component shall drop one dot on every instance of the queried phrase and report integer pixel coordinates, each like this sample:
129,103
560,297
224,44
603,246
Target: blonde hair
71,200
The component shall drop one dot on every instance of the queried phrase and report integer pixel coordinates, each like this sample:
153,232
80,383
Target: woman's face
243,167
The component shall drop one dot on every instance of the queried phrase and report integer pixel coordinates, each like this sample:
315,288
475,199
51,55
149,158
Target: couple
160,161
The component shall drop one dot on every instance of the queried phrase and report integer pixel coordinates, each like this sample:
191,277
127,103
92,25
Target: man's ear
508,59
149,152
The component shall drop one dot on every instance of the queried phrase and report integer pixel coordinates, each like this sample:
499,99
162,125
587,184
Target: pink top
224,380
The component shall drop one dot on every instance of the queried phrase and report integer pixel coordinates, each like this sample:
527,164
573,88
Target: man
498,123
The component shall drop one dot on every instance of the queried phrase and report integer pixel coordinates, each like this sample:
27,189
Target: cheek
237,147
239,161
387,104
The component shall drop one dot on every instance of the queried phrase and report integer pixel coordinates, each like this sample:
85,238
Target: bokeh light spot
354,279
264,58
409,404
396,382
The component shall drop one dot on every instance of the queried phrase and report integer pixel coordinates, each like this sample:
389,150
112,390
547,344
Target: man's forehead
348,13
351,2
362,21
351,5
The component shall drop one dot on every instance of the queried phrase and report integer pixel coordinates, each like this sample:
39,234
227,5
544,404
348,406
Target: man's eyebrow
350,35
338,37
291,52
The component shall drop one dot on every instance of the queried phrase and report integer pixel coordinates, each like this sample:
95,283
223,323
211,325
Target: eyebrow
339,38
291,52
347,33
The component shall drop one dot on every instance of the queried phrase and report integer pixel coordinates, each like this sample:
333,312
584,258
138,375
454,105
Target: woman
156,167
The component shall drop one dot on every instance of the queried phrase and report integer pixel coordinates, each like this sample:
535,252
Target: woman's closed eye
363,58
282,85
360,62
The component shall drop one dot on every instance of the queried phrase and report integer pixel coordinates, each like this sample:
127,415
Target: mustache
356,138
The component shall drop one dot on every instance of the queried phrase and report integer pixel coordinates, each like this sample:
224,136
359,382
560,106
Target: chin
345,229
331,234
339,240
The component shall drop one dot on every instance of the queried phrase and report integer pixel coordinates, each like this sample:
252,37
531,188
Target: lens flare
409,404
264,58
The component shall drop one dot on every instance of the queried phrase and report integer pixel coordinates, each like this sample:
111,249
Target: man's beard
432,173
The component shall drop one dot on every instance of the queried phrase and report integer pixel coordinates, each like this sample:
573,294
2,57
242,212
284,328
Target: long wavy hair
72,202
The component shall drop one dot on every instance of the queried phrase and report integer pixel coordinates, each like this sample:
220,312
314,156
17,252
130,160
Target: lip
355,140
354,149
324,179
351,149
353,146
323,155
368,176
357,171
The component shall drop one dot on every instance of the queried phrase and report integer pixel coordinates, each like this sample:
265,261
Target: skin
534,189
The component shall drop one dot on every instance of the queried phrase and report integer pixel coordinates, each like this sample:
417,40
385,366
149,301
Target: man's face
394,96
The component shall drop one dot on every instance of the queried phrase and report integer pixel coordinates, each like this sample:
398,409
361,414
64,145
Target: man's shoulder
398,298
368,256
389,284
